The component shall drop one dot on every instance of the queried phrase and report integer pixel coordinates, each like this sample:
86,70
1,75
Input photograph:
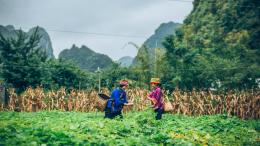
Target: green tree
143,66
22,60
65,73
159,63
114,73
218,46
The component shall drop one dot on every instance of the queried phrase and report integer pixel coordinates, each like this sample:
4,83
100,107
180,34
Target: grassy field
137,128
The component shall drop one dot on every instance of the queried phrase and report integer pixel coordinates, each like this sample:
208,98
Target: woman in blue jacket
117,101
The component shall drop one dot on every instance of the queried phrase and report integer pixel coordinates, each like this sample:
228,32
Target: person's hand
154,101
149,97
130,103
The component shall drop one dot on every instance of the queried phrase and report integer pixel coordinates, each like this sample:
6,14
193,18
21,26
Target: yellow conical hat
155,80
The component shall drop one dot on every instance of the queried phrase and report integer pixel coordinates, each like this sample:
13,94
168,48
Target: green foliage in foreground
137,128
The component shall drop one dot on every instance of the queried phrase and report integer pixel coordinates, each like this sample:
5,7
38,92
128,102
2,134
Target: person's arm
128,103
118,100
125,101
152,97
124,98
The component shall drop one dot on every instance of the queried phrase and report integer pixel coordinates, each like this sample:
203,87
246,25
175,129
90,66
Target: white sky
123,17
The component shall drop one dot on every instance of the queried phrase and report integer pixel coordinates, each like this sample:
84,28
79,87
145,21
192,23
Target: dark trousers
159,112
112,115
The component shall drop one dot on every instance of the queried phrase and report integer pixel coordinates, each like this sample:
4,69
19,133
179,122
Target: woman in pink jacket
156,97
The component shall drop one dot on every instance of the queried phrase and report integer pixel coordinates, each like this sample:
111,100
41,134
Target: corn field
244,104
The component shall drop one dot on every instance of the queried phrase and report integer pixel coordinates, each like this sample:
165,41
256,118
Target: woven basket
168,107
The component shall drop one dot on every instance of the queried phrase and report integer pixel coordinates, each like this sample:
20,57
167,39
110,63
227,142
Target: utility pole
99,82
79,85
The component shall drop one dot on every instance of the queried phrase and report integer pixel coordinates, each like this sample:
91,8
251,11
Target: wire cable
187,1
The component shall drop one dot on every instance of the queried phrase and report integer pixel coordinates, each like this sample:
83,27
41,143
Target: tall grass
244,104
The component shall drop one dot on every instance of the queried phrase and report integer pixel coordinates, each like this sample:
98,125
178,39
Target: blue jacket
118,96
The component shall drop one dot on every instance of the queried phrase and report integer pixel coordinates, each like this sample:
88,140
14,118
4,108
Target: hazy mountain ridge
157,39
126,61
86,58
9,31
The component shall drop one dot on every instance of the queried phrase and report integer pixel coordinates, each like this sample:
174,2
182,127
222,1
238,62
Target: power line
187,1
26,66
93,33
98,34
102,34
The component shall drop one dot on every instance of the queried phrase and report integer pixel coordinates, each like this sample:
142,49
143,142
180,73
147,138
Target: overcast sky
137,18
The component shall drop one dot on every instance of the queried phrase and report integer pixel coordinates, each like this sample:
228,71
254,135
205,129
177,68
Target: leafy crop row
136,128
